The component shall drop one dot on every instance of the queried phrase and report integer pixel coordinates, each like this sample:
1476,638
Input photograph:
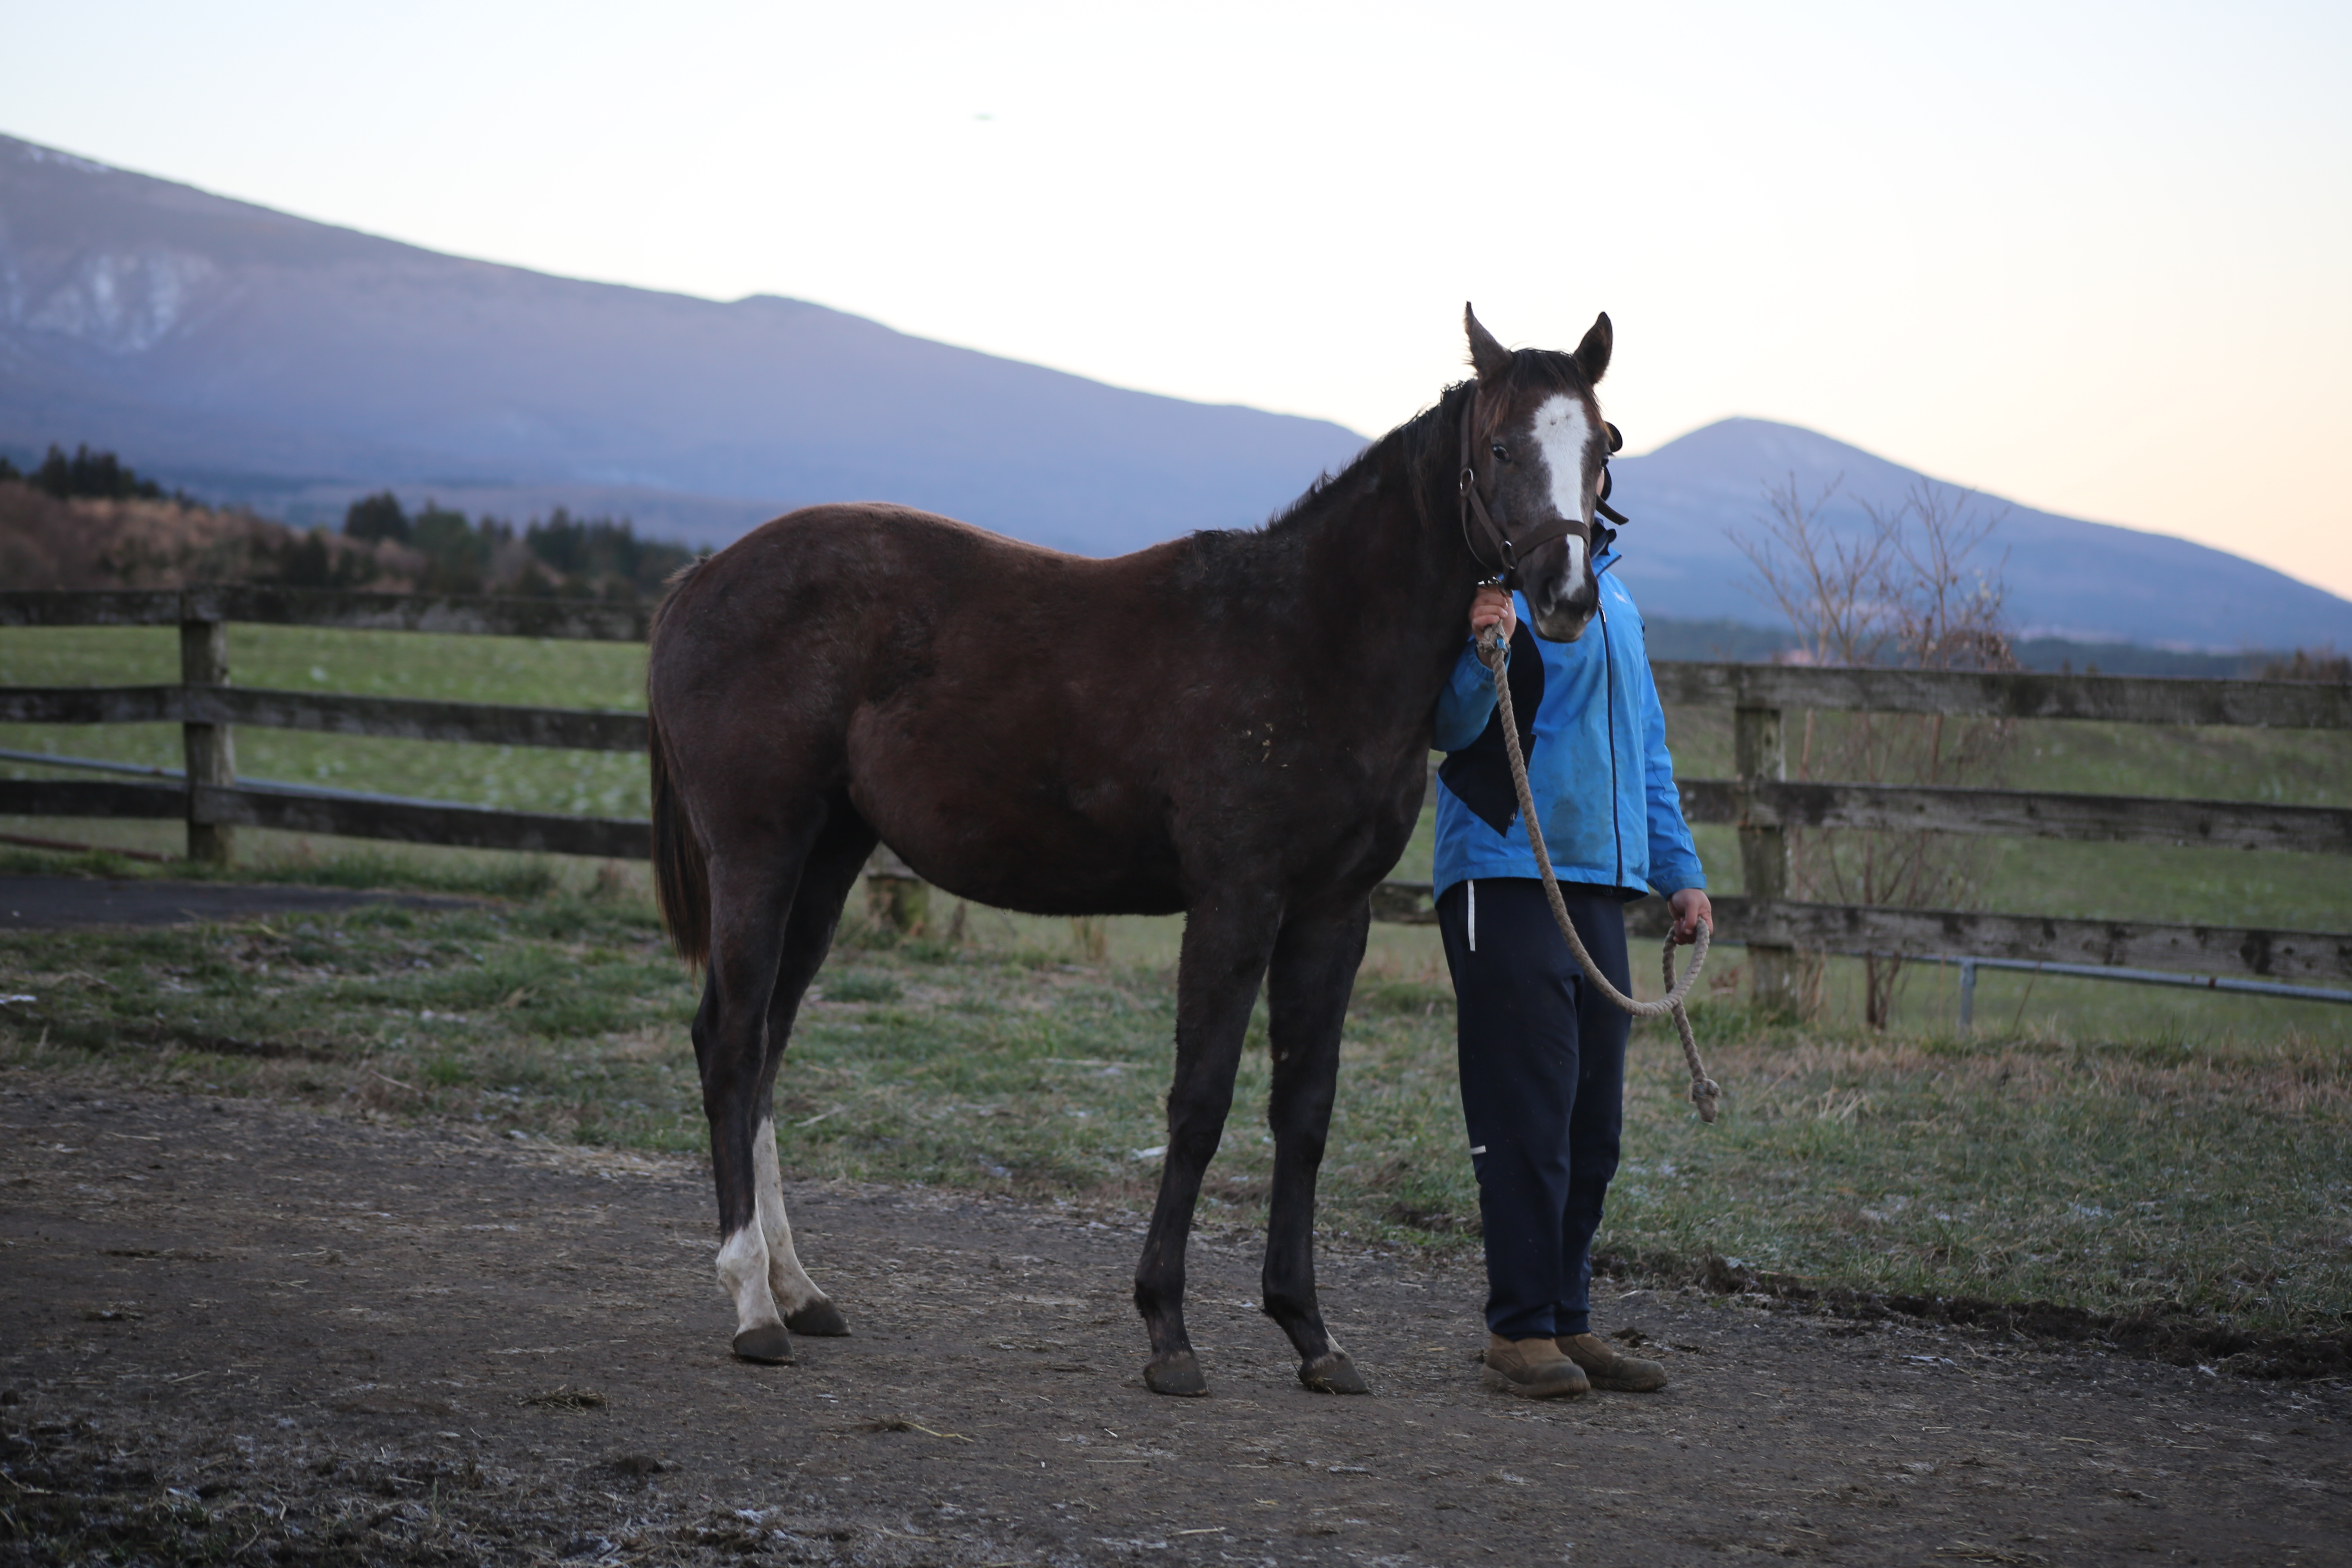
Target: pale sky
2093,258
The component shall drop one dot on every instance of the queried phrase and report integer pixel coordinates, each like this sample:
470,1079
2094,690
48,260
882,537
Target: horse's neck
1385,581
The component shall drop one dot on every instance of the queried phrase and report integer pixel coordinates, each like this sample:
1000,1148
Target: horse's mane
1425,442
1413,438
1247,549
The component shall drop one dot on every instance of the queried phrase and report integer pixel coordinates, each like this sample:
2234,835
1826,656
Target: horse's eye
1502,453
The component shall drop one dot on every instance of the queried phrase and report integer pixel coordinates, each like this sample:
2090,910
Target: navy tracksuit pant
1543,1089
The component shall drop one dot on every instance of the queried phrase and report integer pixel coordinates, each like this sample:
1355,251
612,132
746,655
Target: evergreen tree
461,551
375,517
309,561
88,473
600,555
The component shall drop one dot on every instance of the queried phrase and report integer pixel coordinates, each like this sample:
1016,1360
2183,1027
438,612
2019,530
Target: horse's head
1535,451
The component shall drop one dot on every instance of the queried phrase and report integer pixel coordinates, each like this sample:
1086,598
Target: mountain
247,355
2085,581
251,356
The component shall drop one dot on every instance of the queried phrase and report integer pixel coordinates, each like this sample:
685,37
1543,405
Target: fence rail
457,614
2016,694
2022,814
344,814
2281,955
398,717
1760,802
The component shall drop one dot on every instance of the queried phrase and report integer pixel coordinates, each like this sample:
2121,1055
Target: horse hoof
1333,1373
769,1345
820,1318
1179,1374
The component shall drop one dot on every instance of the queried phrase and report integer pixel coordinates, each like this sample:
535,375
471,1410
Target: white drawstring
1473,884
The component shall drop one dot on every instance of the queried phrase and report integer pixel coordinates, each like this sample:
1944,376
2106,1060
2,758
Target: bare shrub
108,543
2322,663
1908,591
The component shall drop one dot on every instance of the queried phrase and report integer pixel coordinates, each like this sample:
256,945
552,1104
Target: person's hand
1492,608
1690,906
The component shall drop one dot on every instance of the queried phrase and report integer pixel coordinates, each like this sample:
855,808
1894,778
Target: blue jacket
1597,760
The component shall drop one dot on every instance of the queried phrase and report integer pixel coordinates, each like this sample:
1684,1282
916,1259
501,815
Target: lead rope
1704,1091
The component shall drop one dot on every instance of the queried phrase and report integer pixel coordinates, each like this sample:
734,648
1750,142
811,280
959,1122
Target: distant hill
254,357
2085,582
257,359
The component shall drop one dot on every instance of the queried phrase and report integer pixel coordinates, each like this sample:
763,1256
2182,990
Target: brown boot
1609,1367
1534,1369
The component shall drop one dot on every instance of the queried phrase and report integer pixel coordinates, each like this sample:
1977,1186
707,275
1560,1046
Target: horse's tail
681,870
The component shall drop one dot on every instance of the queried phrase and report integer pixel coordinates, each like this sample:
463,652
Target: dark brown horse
1234,724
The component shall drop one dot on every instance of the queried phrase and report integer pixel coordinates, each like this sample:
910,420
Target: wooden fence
1760,800
210,800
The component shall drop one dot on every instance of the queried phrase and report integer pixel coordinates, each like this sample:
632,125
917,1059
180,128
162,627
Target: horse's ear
1492,360
1592,353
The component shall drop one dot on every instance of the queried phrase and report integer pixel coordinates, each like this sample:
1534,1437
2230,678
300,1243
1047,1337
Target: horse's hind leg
1314,968
752,889
832,870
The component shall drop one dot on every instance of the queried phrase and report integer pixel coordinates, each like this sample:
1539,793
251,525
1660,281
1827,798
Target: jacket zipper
1609,688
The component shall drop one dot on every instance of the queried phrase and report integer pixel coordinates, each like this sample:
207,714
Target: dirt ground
232,1331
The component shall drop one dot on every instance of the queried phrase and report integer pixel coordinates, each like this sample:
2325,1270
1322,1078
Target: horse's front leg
1314,969
1228,939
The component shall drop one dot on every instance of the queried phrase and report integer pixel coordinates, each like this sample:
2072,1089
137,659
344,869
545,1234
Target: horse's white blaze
1562,434
743,1275
787,1281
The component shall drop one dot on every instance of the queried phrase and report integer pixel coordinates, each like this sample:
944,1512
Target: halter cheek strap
1489,545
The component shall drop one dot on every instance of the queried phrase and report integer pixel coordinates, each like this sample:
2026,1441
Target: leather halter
1506,551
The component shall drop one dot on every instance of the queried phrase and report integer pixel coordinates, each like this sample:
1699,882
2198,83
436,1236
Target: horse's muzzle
1565,619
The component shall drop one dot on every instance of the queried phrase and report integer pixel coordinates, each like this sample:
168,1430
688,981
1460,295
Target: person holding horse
1000,715
1542,1053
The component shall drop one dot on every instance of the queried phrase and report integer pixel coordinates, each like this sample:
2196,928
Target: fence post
895,896
211,751
1759,757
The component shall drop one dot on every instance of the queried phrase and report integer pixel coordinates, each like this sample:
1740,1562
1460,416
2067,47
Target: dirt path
237,1329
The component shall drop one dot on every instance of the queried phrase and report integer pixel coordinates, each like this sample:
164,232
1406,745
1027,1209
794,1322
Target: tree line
99,474
562,556
63,541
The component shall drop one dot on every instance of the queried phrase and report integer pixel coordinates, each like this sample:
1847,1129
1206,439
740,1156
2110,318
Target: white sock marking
787,1280
743,1275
